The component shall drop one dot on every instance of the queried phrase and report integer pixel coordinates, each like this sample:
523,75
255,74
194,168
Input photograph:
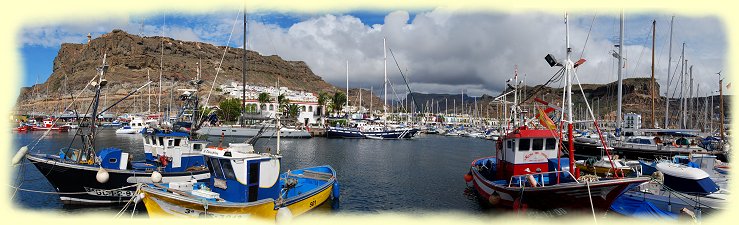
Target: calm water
419,175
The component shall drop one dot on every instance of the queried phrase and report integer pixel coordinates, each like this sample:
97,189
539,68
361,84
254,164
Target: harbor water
424,174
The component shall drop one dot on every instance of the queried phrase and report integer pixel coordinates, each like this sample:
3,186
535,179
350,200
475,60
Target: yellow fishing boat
244,184
603,167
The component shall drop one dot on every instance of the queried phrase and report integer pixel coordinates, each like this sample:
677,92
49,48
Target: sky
440,51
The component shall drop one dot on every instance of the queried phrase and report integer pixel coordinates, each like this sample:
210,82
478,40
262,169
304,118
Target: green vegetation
338,101
230,109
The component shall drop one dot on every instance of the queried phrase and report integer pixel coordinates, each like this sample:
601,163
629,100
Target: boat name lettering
102,192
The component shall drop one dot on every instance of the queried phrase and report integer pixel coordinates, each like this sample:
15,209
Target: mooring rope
67,193
590,196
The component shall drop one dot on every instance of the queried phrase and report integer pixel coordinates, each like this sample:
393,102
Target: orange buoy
467,177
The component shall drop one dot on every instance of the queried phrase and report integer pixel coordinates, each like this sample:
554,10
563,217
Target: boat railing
532,178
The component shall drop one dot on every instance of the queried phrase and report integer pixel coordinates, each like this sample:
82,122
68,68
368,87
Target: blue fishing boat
244,183
108,176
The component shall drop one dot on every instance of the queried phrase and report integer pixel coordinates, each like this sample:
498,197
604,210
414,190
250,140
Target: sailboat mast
568,94
667,89
689,100
347,90
682,85
620,74
243,79
148,78
384,51
654,25
721,107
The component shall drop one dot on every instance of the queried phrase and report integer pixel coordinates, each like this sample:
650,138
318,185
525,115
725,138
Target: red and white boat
48,124
527,170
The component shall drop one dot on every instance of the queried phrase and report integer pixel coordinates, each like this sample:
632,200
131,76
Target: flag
544,119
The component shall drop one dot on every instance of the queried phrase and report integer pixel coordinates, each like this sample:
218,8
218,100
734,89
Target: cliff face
130,58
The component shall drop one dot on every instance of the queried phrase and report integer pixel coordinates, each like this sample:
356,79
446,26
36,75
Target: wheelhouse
526,151
238,174
172,150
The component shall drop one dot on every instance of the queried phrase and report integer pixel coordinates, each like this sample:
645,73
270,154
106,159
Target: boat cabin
526,151
173,151
238,174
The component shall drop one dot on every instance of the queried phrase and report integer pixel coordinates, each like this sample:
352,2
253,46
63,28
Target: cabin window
113,160
170,142
177,142
644,141
508,144
161,140
271,107
197,147
216,168
228,170
537,144
524,144
551,144
148,141
153,140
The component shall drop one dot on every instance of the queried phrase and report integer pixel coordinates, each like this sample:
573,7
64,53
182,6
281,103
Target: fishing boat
48,124
109,176
244,183
603,167
527,170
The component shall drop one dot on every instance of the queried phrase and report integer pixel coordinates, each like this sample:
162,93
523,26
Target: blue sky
38,59
443,51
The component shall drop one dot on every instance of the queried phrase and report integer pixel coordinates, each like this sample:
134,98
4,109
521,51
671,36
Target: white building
632,121
306,101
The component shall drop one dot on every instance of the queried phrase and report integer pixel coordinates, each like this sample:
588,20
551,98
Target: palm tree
338,101
322,99
263,99
292,110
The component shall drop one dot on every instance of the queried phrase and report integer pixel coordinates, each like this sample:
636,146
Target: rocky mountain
133,59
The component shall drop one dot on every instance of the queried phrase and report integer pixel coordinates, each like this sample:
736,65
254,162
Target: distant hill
130,58
602,98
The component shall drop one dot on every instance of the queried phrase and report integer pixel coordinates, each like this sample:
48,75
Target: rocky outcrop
132,57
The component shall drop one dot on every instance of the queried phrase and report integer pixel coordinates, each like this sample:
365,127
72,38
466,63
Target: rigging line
65,109
588,37
638,62
559,73
269,37
401,74
218,69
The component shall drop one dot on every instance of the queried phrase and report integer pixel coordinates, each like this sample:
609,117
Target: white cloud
443,51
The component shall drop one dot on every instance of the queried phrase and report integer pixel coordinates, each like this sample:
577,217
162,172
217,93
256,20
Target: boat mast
371,95
384,51
148,78
243,79
689,100
161,67
100,84
667,89
346,105
568,93
620,75
682,85
654,25
514,114
721,107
